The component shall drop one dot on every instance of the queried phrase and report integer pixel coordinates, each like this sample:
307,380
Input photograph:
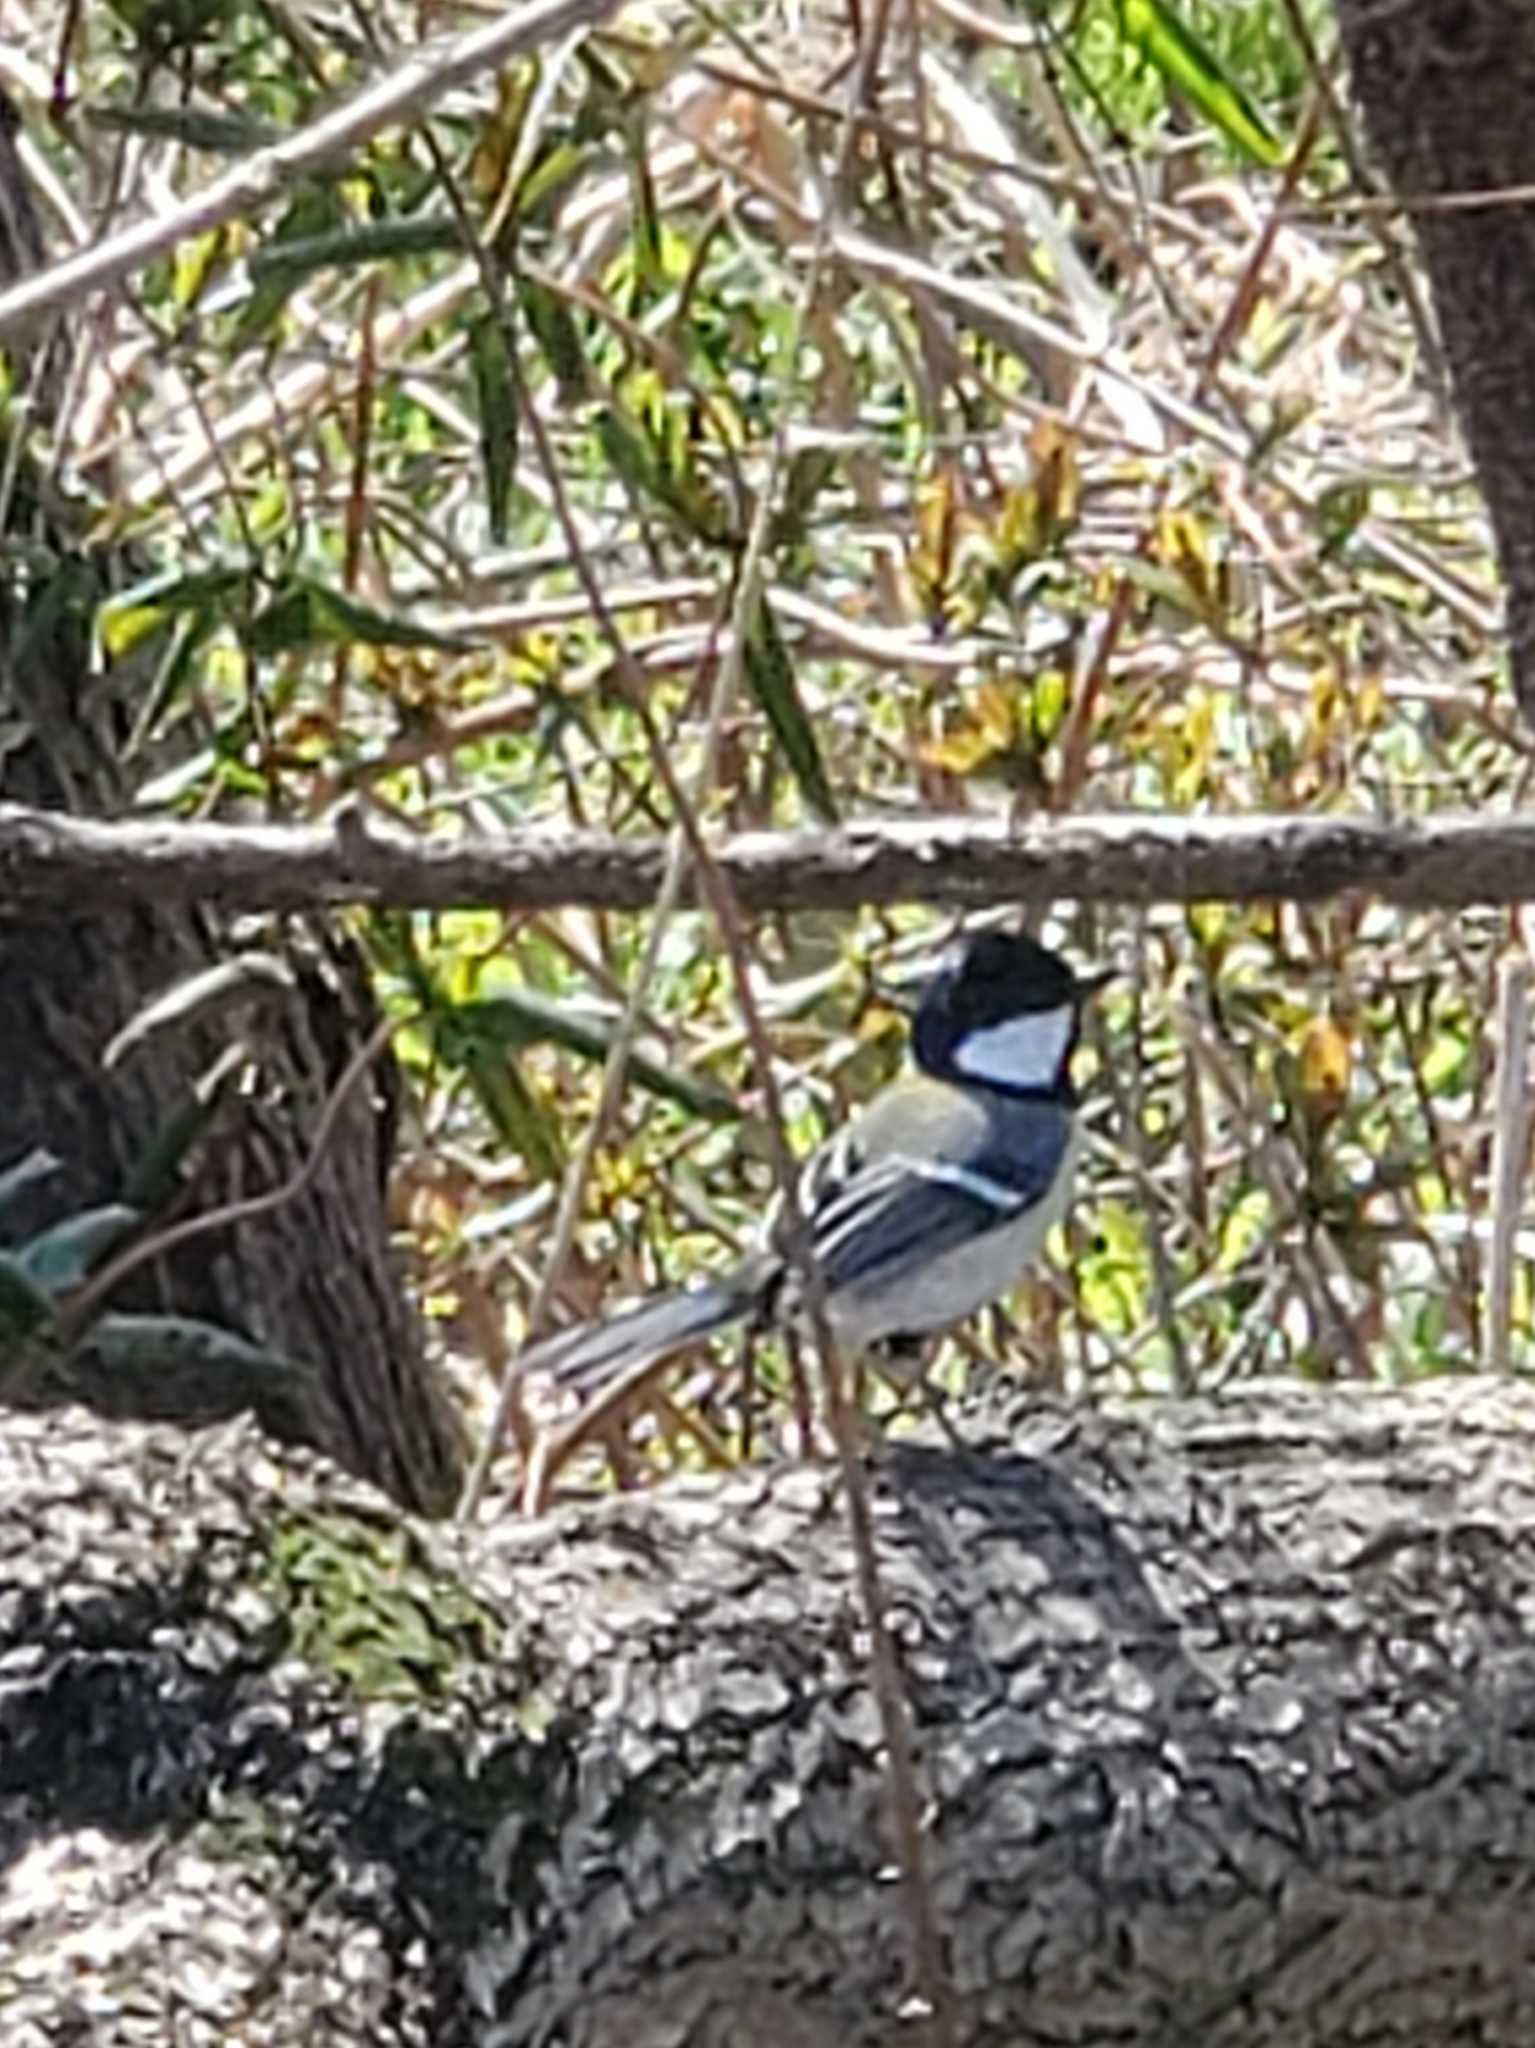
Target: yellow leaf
1018,528
952,552
1057,477
994,738
1052,697
930,560
195,263
1324,1068
1326,705
1183,545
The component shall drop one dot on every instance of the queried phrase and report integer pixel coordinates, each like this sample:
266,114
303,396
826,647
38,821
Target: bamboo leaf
520,1017
370,241
770,672
61,1257
495,383
305,613
204,128
1171,46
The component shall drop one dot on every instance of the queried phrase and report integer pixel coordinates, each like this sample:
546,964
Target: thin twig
419,79
1510,1145
79,1308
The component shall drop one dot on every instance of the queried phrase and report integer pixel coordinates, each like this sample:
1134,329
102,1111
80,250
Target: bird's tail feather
589,1355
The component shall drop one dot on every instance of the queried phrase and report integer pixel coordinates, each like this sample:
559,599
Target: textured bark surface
1226,1711
48,861
314,1281
1448,92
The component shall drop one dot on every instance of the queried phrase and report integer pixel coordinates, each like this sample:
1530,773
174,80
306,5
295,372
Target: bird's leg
901,1362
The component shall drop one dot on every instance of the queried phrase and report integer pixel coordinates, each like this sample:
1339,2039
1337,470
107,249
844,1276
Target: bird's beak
1090,985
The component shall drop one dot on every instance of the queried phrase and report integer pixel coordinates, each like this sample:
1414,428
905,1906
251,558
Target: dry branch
49,862
421,77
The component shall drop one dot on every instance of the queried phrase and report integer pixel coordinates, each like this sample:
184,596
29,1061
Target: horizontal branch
53,863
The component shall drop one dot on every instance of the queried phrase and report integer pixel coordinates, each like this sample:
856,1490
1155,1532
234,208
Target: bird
926,1206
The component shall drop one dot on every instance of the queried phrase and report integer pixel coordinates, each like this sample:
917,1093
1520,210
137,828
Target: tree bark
1223,1713
1447,88
313,1282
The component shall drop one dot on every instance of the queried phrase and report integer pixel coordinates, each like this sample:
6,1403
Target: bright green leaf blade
1187,64
129,616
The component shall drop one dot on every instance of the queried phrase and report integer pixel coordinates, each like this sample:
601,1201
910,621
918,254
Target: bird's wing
874,1203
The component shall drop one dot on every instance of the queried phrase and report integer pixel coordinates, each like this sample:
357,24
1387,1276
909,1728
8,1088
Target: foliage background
1106,466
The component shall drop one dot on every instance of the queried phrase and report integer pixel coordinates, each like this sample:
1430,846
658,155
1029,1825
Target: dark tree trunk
1225,1715
315,1281
1448,92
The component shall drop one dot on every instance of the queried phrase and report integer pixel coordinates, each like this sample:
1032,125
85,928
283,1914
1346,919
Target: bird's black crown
997,977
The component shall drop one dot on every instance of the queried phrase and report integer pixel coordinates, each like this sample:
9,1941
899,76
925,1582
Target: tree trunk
1448,92
314,1282
1225,1715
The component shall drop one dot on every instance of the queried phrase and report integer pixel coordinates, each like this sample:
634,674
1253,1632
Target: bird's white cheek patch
1025,1052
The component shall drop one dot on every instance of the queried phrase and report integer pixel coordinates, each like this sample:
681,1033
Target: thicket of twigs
1084,432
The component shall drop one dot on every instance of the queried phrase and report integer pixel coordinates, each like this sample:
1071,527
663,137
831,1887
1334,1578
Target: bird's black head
1004,1014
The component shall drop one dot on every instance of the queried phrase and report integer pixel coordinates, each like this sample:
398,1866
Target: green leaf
554,327
1341,509
307,614
220,134
645,468
548,176
495,383
24,1306
60,1258
133,1343
519,1017
315,210
810,471
519,1117
1187,64
770,672
368,241
128,617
